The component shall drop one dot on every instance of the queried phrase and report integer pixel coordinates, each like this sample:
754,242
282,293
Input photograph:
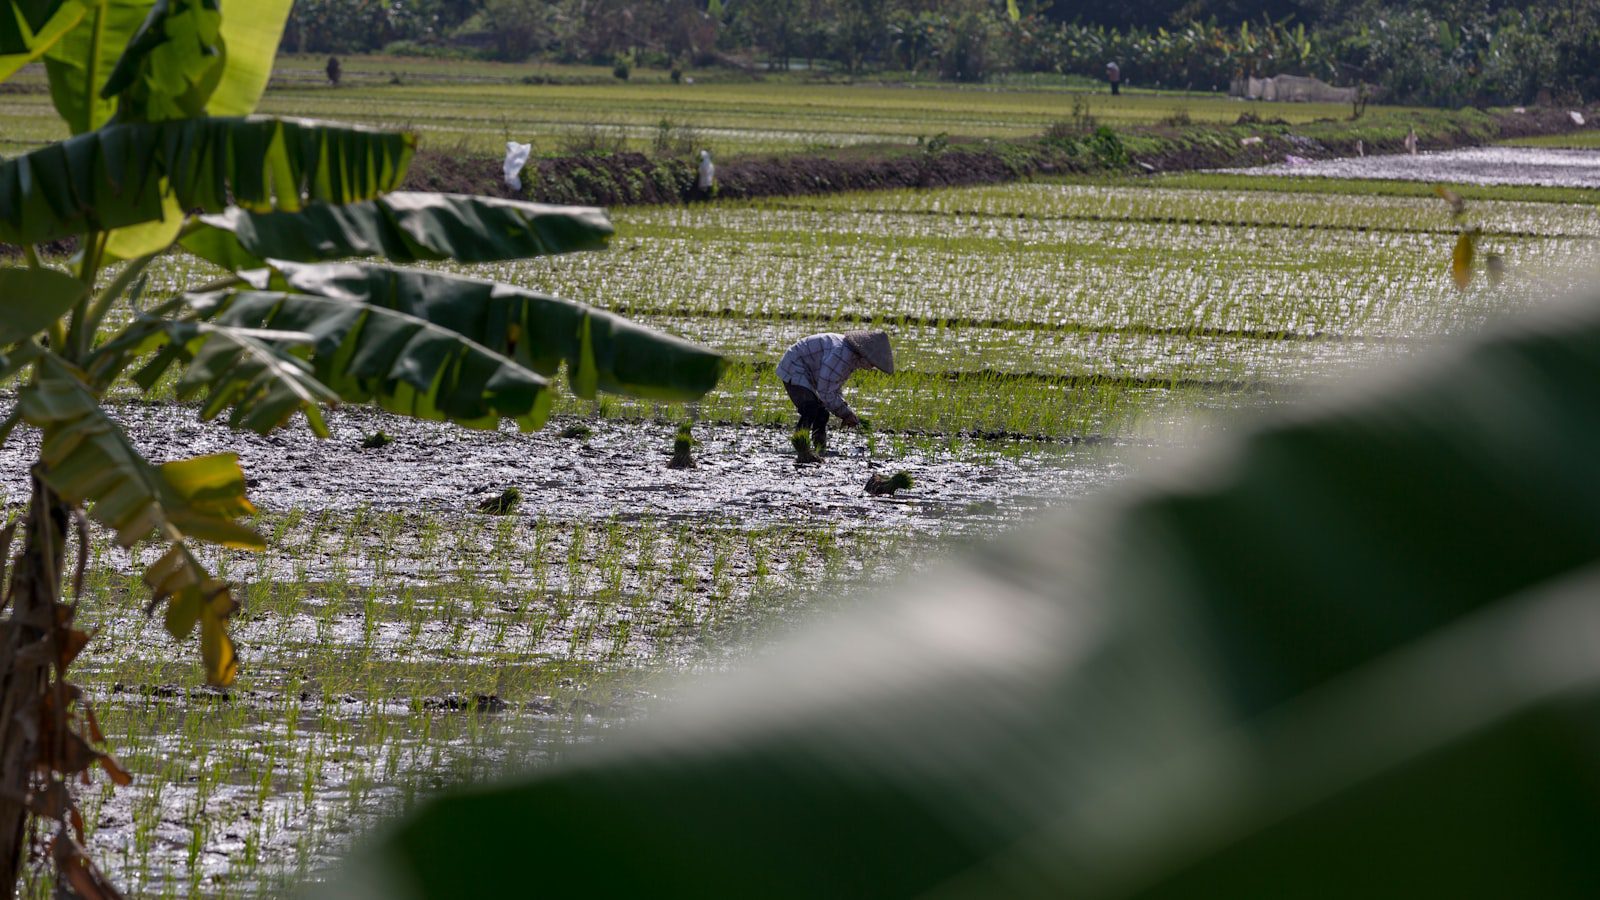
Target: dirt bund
626,179
629,179
633,178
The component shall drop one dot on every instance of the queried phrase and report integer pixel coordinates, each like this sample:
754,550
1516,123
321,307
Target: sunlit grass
481,105
1577,140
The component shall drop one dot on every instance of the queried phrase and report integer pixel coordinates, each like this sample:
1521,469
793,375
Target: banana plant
166,157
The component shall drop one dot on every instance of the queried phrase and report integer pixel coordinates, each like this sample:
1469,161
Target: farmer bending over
815,369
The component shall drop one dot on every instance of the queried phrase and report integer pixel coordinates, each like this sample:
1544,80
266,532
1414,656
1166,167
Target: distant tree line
1438,52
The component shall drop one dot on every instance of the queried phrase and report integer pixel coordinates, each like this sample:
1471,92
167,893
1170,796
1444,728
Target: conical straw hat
874,345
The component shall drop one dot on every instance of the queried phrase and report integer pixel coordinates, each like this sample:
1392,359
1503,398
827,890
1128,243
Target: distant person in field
708,173
335,71
1114,75
815,369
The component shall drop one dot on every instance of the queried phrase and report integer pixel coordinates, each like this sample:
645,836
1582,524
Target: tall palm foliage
164,154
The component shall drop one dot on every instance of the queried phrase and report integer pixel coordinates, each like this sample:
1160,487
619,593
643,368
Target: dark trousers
813,414
1115,88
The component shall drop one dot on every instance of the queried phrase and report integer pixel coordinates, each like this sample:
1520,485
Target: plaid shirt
823,363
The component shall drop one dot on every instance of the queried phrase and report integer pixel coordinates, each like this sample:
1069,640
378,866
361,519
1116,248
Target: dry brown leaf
1461,259
119,776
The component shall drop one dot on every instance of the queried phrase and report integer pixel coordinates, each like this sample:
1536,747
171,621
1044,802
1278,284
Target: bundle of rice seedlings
502,504
802,448
682,444
877,485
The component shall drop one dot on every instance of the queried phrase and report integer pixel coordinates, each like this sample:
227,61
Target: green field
1050,337
1061,285
481,105
1578,140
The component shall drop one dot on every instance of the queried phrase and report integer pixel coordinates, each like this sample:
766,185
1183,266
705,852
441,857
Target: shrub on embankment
633,178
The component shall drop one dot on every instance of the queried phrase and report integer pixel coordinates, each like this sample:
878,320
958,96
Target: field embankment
636,178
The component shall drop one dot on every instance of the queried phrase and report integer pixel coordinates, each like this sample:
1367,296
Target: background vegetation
1442,52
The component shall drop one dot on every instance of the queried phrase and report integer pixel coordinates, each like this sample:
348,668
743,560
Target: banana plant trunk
35,592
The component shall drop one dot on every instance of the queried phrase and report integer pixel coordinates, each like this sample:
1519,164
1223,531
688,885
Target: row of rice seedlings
1162,284
1181,279
1152,358
1049,384
1368,187
238,796
912,405
1575,140
503,585
1156,278
1420,210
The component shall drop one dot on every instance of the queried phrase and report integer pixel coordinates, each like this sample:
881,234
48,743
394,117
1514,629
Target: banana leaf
187,59
1350,652
420,344
170,66
31,299
79,63
253,374
399,227
603,352
364,352
251,30
129,174
29,28
87,458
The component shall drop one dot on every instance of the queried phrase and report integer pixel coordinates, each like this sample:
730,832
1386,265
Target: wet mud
743,476
406,629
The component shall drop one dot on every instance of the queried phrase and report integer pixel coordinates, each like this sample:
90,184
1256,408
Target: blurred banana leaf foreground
1353,653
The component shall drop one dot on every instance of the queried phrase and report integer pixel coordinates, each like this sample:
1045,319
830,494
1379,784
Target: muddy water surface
394,639
745,476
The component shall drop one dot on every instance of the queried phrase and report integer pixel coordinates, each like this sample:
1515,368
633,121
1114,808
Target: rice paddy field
479,106
1050,336
1578,140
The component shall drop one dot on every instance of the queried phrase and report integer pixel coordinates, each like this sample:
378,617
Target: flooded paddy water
744,477
394,638
1551,167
